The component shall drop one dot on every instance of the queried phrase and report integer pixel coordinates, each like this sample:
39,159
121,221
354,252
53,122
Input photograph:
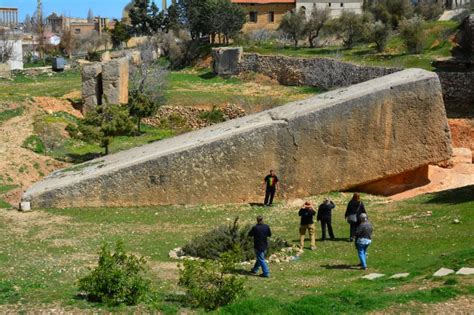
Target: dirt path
20,166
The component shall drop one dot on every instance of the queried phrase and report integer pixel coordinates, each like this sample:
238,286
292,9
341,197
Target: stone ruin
334,141
105,83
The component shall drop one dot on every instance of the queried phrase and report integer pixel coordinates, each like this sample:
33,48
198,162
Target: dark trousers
326,222
353,230
269,194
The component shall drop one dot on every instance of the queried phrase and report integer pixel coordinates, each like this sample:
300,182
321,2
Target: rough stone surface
115,75
91,85
5,71
458,92
443,272
373,276
393,124
226,60
400,275
465,271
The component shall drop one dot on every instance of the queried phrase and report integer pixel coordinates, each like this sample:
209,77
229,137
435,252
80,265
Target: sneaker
254,272
264,276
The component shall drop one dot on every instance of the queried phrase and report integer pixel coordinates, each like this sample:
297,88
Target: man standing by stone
307,213
260,233
363,238
324,215
271,185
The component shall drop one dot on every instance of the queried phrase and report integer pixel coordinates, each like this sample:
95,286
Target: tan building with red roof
265,14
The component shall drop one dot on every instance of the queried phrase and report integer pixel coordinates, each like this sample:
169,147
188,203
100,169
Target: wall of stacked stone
458,92
325,73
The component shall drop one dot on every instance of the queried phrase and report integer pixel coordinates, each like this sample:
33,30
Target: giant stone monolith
334,141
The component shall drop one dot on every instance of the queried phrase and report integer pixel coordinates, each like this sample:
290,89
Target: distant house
81,27
265,14
335,7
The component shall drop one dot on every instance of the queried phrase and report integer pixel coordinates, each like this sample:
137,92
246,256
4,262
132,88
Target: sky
73,8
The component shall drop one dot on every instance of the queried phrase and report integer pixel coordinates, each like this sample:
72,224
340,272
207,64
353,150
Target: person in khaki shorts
307,213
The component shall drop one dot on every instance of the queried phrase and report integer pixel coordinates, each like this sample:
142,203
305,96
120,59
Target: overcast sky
73,8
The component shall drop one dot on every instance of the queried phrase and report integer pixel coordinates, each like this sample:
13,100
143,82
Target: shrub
378,33
349,27
411,32
430,10
227,237
34,144
117,279
214,116
209,284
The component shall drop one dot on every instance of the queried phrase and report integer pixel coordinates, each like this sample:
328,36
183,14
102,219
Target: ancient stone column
91,86
115,81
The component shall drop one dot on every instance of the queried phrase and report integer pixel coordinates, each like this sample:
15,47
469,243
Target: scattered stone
226,60
25,206
373,276
465,271
456,221
400,275
443,272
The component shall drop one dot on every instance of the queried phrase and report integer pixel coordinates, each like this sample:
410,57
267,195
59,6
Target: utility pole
39,20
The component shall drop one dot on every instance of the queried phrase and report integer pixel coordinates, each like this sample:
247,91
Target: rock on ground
394,124
443,272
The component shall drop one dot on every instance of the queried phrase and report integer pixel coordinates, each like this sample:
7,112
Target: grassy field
437,43
48,250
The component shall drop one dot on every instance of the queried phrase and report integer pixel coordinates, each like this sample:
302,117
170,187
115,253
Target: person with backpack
363,238
325,216
355,208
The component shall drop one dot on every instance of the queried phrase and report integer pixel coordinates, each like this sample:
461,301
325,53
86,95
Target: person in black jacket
271,184
324,215
260,232
354,208
307,213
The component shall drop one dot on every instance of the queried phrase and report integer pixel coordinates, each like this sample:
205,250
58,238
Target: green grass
10,113
24,87
436,44
56,246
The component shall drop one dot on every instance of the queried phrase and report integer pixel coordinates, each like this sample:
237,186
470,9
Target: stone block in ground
443,272
400,275
91,86
115,78
373,276
465,271
5,71
339,140
226,60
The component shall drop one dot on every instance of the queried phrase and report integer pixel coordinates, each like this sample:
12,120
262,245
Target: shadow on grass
81,158
453,196
208,75
341,267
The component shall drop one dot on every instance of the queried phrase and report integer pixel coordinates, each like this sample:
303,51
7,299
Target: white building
335,7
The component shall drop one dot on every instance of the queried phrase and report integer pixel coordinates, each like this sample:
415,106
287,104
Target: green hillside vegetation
438,42
55,247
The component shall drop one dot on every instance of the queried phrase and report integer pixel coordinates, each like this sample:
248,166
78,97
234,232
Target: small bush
34,144
173,122
213,116
227,237
411,32
118,279
209,283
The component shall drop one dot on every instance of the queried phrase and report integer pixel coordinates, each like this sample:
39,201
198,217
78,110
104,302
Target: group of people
360,229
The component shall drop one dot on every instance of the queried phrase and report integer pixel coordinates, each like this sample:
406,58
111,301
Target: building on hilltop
265,14
335,7
81,27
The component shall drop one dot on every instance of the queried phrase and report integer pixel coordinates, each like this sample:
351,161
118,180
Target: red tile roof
263,1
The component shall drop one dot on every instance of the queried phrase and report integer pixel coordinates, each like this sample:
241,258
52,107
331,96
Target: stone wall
458,92
333,141
105,82
325,73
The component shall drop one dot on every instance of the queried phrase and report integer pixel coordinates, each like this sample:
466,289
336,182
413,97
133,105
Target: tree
227,19
147,84
315,23
140,18
378,33
411,32
6,46
119,34
68,42
196,15
390,11
293,24
349,27
90,16
107,121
